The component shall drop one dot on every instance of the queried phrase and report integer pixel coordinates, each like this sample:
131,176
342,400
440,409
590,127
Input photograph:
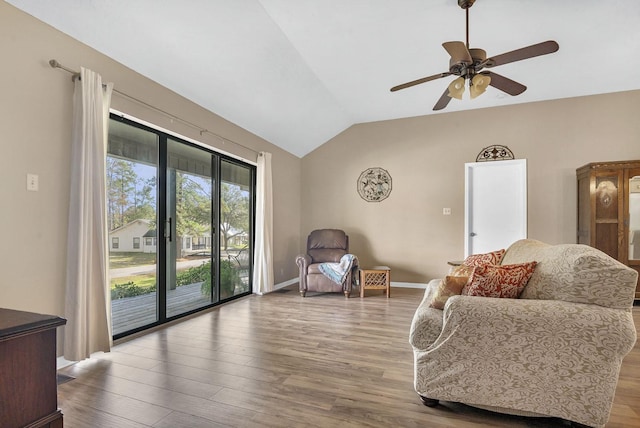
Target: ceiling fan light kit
468,64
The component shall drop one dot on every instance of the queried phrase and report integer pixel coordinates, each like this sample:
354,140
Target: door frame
165,228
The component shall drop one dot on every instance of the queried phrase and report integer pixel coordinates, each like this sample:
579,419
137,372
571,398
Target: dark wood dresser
28,388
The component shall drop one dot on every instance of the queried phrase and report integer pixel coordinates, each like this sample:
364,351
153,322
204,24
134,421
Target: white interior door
495,205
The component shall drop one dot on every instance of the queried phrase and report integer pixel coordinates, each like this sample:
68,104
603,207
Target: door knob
472,234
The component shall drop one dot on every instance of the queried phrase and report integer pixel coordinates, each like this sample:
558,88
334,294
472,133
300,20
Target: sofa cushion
505,281
449,286
314,268
324,255
492,258
574,273
327,245
462,270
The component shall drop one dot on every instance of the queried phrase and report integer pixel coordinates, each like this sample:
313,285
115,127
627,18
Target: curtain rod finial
53,63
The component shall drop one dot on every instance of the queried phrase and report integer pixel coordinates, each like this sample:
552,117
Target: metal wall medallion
493,153
374,184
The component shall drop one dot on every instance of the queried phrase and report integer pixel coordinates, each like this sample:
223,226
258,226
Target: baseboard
393,284
408,285
285,283
61,362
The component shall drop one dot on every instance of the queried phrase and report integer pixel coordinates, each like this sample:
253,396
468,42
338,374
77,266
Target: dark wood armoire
609,210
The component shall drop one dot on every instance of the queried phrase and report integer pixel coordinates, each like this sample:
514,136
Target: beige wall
425,157
35,121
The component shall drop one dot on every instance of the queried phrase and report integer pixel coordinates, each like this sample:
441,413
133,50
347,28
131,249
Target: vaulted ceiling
299,72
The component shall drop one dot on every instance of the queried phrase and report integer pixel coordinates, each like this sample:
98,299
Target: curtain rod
74,75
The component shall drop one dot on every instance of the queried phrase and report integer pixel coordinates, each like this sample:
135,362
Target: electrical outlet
32,182
446,211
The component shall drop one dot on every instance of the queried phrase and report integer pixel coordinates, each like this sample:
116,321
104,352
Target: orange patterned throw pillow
449,286
499,281
492,258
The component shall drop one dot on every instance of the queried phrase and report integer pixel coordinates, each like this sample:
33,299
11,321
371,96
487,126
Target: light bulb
456,88
479,84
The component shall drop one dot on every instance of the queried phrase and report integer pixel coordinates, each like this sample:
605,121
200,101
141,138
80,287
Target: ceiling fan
468,65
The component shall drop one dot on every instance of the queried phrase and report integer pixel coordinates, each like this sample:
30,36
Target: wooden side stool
375,278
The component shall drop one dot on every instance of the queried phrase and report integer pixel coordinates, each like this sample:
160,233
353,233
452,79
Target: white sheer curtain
88,299
263,257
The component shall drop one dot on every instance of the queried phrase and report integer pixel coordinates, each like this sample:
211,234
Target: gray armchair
323,245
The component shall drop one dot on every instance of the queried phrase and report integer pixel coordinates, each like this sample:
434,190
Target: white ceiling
299,72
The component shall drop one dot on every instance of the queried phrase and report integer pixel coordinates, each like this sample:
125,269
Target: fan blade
419,81
458,52
443,101
505,84
543,48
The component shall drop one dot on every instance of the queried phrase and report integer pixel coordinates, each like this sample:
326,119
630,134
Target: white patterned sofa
555,351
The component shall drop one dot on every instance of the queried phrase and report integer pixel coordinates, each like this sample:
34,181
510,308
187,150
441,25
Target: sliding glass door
190,215
235,231
181,226
132,202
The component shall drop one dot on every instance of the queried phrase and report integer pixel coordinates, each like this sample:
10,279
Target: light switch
32,182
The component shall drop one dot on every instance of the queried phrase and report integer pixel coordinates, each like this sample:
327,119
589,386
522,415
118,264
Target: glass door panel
190,196
608,211
235,228
634,216
132,167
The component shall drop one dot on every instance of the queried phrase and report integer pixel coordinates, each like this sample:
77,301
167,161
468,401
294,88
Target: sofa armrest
427,321
303,261
353,276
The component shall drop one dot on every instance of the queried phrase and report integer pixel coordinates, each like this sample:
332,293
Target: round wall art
374,184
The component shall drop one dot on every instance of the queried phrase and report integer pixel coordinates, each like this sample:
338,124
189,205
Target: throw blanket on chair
337,272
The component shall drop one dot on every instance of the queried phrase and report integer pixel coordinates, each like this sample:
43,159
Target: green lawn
142,281
122,260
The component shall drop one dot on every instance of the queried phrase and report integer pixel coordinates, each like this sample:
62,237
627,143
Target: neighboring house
138,236
242,239
150,241
238,238
132,237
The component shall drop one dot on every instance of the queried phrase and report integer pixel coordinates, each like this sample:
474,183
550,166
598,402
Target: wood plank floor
283,361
